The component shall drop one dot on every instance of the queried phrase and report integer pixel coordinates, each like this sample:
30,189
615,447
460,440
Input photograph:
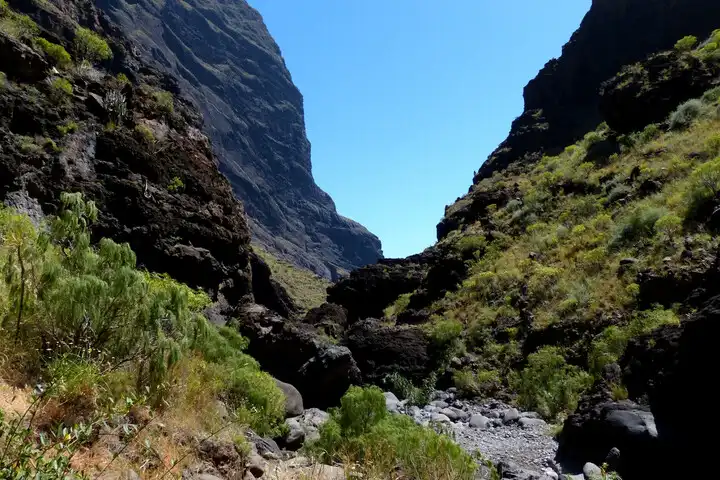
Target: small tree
90,47
686,44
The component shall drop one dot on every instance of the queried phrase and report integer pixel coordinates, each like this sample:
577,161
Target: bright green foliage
405,389
60,89
145,134
362,431
176,185
399,306
481,383
69,127
686,114
122,79
91,47
164,101
649,133
712,95
16,25
24,455
704,186
446,334
686,44
56,52
669,226
549,385
471,244
609,346
639,224
99,318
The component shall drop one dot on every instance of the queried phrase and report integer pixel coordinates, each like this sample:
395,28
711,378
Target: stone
592,471
439,404
295,436
391,402
462,415
479,421
205,476
493,414
129,474
304,428
293,399
256,465
510,415
550,474
265,447
627,261
440,418
613,459
450,413
531,422
529,415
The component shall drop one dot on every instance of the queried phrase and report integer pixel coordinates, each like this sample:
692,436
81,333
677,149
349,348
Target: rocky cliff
228,64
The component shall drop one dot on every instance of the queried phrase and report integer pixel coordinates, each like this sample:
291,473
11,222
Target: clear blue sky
404,99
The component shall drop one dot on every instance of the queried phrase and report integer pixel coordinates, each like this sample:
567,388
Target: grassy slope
556,253
306,289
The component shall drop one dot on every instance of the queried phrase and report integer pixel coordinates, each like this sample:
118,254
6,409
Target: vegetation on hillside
82,321
568,247
305,288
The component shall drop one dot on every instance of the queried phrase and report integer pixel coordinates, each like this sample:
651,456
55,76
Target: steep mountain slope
228,63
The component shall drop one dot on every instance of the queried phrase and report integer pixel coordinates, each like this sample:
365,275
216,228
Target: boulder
380,350
328,317
531,422
295,353
304,428
267,291
20,62
594,429
510,415
451,413
367,291
479,421
592,472
391,402
440,418
293,399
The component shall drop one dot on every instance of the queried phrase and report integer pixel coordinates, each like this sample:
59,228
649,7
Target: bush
60,89
56,52
481,383
382,445
549,385
68,127
257,400
3,79
685,114
405,389
712,144
91,47
712,95
445,334
686,44
704,186
399,306
145,134
638,224
470,244
16,25
164,101
649,133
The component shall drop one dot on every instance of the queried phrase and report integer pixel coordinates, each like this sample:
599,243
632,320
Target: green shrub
470,245
256,398
398,306
649,133
164,101
68,127
91,47
144,133
638,224
712,144
60,89
56,52
549,385
669,226
686,114
686,44
405,389
17,26
445,334
481,383
176,185
361,431
3,79
704,186
712,95
122,79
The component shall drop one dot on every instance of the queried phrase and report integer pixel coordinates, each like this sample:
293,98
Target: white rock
440,418
479,421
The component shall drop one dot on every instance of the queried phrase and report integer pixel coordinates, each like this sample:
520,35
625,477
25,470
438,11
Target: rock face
295,353
561,103
227,62
198,234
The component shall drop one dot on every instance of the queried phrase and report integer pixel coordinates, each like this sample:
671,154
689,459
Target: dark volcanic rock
380,350
593,430
227,62
268,291
649,91
672,368
369,290
295,353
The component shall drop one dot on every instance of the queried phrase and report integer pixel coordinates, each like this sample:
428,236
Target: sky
405,99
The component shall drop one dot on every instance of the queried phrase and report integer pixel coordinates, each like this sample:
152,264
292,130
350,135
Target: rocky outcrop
367,291
670,370
227,62
295,353
648,91
380,350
